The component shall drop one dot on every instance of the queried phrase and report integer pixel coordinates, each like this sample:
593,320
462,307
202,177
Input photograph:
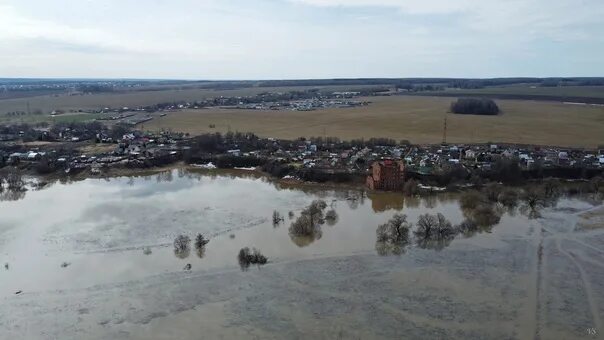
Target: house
563,158
235,152
386,175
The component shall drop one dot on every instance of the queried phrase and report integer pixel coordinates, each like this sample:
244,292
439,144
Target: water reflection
201,252
12,195
182,253
306,240
483,216
331,218
381,202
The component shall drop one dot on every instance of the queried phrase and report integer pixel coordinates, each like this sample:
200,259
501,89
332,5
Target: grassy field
33,119
418,119
138,98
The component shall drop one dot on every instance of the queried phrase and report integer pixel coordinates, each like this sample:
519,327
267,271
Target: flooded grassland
95,259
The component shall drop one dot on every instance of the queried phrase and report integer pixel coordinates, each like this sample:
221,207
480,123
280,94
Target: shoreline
113,173
284,183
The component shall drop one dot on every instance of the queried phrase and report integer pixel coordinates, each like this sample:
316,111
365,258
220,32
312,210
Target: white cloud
407,6
546,17
297,38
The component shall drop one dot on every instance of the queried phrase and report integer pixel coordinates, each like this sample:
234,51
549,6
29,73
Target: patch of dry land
417,119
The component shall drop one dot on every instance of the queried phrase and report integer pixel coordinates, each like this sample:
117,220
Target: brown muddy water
78,256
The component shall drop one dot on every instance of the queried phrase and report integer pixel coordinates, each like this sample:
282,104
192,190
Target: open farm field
414,118
561,91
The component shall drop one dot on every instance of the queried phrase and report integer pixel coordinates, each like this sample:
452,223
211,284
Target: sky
300,39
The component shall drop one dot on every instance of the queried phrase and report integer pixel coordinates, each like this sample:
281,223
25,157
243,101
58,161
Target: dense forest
475,106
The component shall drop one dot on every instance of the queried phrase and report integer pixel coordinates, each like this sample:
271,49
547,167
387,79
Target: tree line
475,106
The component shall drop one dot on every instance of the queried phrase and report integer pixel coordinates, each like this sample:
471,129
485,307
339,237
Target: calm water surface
530,274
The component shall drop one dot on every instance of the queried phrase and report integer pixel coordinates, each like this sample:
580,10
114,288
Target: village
93,149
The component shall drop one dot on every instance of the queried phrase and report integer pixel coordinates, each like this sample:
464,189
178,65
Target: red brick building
386,175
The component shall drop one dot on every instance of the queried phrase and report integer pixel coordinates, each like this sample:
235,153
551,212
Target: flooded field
95,260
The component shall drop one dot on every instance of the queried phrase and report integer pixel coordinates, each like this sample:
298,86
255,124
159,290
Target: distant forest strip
555,98
464,83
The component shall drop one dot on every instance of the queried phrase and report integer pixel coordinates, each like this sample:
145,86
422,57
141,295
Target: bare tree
434,231
14,179
277,219
392,237
200,241
310,220
182,246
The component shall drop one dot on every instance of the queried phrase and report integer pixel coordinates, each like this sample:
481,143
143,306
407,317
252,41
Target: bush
247,257
411,188
475,106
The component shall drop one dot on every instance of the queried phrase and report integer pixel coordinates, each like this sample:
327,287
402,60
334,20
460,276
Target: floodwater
94,259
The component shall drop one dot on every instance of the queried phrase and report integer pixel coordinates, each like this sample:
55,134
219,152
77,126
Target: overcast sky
275,39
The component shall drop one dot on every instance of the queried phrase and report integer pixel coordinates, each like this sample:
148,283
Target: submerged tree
200,241
277,218
308,225
247,257
200,245
534,200
392,237
434,231
182,247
